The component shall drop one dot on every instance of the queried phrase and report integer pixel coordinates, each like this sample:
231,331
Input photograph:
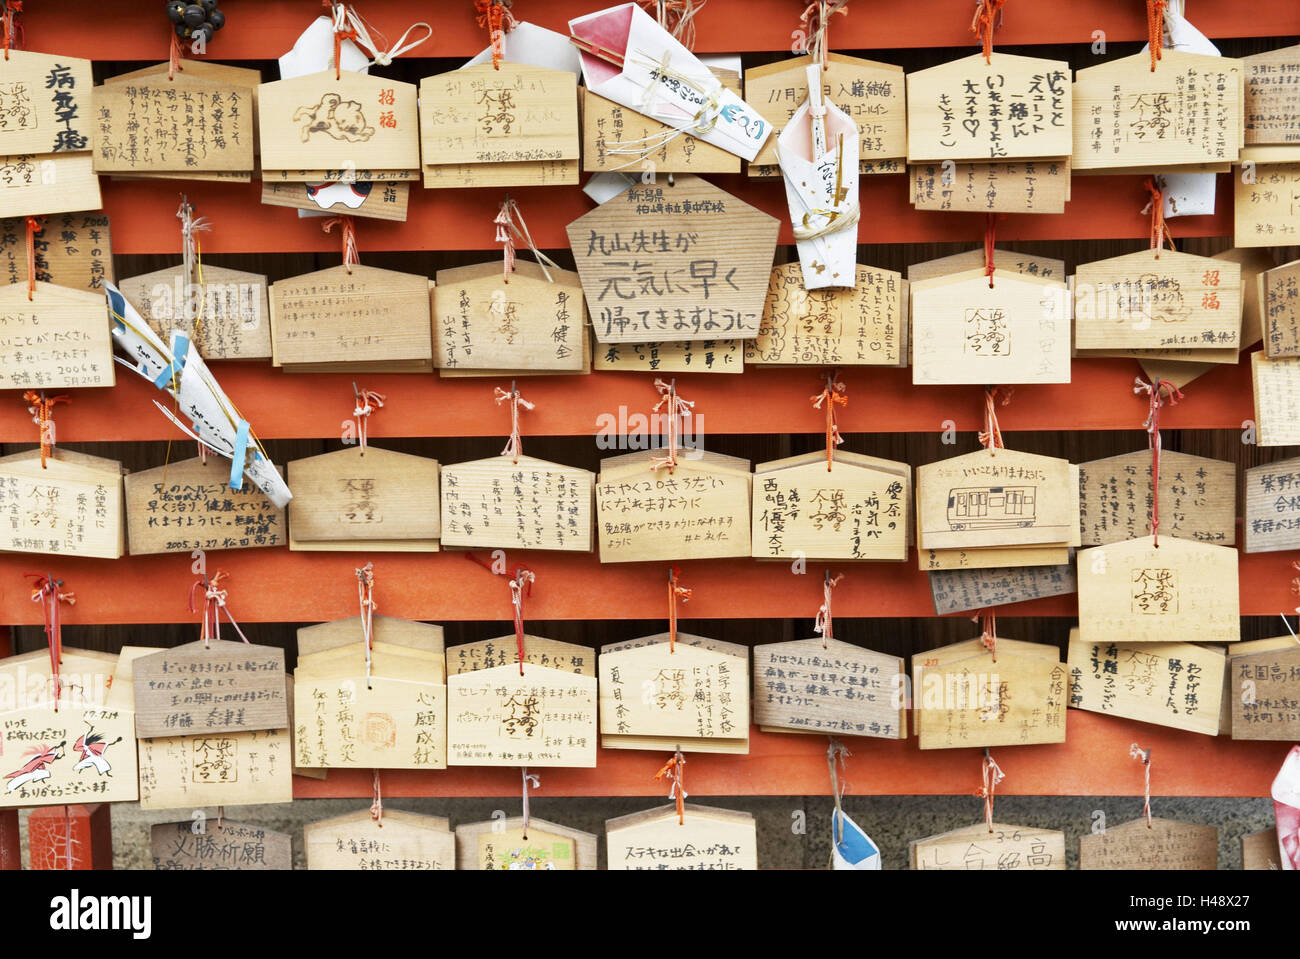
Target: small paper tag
313,52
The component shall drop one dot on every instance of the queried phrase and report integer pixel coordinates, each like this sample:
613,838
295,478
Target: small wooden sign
363,198
502,844
524,322
698,510
680,262
1010,261
992,557
857,509
1276,385
829,688
504,650
862,325
1271,519
180,507
521,714
957,590
1198,498
1016,848
361,317
1266,210
58,339
353,123
224,769
72,250
388,630
531,504
71,507
965,331
33,185
45,104
1272,98
1279,294
1136,591
1163,845
218,844
1187,111
1169,684
1010,107
517,121
1259,850
699,356
375,499
1265,692
206,689
396,841
706,838
227,316
1017,186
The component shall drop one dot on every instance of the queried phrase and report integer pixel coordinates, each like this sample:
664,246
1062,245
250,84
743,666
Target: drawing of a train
991,507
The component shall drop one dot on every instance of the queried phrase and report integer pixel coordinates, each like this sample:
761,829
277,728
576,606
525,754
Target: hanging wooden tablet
966,331
79,748
1277,399
964,695
38,186
358,125
532,320
958,590
1266,210
699,356
501,844
1187,111
831,326
871,93
396,841
504,651
1136,591
388,630
676,262
1009,107
1198,498
1028,186
72,506
694,697
1265,689
858,509
1279,292
218,843
1016,848
1259,850
1008,261
363,198
1272,101
829,688
699,509
1173,684
706,838
180,507
1271,511
227,315
357,318
369,500
992,557
505,125
71,250
1164,844
57,339
1232,688
529,504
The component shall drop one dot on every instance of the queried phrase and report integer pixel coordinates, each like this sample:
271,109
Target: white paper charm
534,46
313,52
854,850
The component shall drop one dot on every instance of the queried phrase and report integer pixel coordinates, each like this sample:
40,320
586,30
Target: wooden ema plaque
1272,98
703,356
525,322
362,198
1265,692
871,93
707,838
388,630
697,510
515,123
397,841
226,769
991,558
206,689
58,339
674,263
1137,592
996,498
829,688
1271,519
181,507
227,316
1276,385
358,319
218,844
72,250
965,331
966,696
39,186
504,651
502,844
1187,111
1259,850
374,500
46,104
1198,498
1279,294
1010,261
1011,107
1169,684
694,698
856,510
71,507
1017,186
860,325
353,124
1158,299
616,138
977,847
1164,845
531,504
1266,211
959,590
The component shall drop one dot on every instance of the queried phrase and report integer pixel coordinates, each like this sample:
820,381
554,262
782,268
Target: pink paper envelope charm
628,58
1286,807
